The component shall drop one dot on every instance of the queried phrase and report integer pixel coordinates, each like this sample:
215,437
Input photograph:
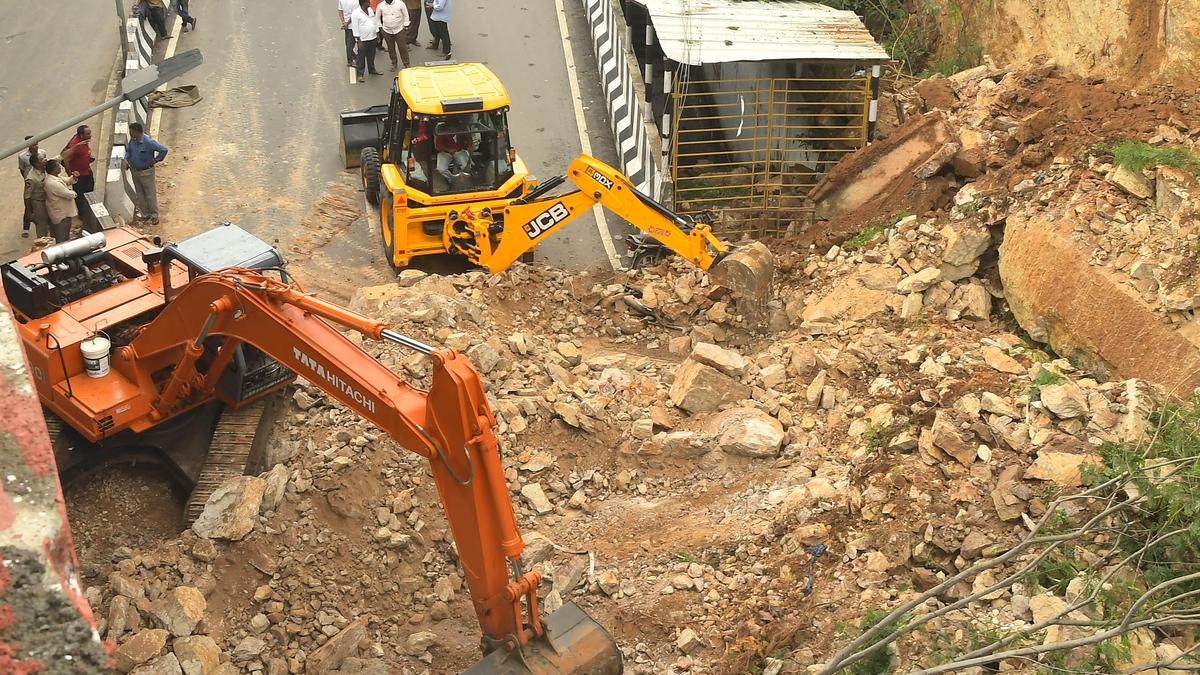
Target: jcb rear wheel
370,174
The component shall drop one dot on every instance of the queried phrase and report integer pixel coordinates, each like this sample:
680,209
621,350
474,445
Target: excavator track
228,454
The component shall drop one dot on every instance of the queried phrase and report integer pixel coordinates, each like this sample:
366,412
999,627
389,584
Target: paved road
45,78
261,148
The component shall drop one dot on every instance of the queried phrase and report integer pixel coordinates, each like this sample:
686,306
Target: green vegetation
1166,475
1136,155
863,237
879,662
878,435
919,35
868,233
1043,377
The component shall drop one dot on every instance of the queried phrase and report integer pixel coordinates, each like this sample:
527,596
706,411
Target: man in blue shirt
141,154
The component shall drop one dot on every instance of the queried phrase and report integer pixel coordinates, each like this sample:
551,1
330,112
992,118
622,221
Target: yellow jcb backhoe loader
439,163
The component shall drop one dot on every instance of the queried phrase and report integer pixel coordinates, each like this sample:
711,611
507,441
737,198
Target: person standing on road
35,195
141,154
393,19
366,34
77,156
439,25
182,8
346,9
158,18
414,22
25,163
60,201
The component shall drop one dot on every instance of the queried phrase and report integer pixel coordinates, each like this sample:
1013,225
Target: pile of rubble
720,495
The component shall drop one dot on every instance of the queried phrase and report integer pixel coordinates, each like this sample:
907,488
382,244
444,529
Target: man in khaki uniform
414,21
35,195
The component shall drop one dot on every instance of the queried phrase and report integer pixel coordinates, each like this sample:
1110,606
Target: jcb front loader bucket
361,129
574,644
747,271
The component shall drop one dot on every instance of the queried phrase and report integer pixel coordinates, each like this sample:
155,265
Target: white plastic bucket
95,355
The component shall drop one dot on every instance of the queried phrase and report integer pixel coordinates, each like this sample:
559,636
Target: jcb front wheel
370,174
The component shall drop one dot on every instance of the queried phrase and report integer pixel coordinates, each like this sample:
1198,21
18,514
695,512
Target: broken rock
725,360
140,648
747,432
180,610
699,388
331,654
232,509
536,497
1062,468
965,242
198,654
1065,400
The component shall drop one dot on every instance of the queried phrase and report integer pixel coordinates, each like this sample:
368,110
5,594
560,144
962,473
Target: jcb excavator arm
529,220
451,425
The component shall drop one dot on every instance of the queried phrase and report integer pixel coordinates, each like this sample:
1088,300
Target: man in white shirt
346,8
393,18
365,25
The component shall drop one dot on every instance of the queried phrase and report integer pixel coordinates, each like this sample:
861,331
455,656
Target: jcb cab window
459,153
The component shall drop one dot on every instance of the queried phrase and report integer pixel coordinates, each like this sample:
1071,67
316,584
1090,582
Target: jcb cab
440,148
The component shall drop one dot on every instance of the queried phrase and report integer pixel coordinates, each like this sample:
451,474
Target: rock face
1085,313
747,432
232,509
699,388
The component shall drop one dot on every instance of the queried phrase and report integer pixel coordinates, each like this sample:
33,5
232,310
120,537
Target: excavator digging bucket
747,271
574,644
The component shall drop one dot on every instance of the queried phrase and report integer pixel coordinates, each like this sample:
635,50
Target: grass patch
1136,155
863,237
879,662
1043,378
868,233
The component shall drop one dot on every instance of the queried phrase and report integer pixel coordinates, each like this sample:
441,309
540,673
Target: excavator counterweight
126,338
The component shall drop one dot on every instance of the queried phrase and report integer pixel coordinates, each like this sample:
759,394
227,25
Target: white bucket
95,355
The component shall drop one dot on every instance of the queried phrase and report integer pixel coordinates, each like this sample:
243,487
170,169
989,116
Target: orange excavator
127,339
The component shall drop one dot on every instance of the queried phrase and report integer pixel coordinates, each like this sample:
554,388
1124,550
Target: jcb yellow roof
427,88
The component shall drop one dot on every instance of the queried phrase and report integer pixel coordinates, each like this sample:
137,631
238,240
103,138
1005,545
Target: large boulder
747,432
179,610
232,509
699,388
143,646
198,654
1086,312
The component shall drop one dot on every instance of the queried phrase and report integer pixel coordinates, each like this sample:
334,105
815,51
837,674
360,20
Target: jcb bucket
574,644
361,129
747,271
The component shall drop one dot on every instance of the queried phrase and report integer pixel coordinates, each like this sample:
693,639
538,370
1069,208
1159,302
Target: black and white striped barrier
140,38
639,147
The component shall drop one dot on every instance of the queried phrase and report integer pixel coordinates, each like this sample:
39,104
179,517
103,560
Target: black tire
642,259
370,174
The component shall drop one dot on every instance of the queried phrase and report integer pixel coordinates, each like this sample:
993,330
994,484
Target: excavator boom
451,424
529,220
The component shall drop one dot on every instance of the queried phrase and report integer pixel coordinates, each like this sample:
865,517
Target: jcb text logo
546,220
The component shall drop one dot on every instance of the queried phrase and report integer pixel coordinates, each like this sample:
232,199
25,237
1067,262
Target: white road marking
172,44
581,123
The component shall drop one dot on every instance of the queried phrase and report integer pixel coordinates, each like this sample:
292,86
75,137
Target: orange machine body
175,334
